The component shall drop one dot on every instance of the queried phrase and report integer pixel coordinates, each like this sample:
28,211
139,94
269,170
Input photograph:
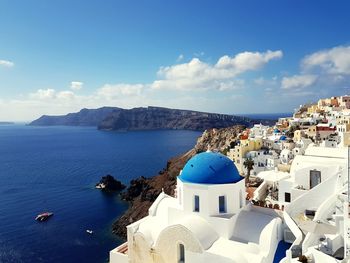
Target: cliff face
85,117
143,191
150,118
155,118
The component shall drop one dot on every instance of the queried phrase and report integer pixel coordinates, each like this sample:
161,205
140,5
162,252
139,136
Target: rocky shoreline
109,184
143,191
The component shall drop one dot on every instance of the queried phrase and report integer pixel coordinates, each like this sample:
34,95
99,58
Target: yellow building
239,151
298,134
313,109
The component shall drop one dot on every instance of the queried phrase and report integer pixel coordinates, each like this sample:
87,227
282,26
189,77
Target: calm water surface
55,169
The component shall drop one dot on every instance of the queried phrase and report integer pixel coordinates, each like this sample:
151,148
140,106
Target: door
181,254
315,178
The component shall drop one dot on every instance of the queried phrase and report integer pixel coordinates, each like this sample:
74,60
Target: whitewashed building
208,221
315,197
258,131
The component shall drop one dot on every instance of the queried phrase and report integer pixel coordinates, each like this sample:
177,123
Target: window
240,199
287,197
222,204
181,253
196,203
315,178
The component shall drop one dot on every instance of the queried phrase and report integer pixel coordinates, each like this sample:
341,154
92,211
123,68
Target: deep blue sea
55,169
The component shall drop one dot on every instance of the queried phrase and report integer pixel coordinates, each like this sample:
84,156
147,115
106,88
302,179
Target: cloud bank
224,86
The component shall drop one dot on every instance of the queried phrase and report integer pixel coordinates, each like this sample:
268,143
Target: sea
55,169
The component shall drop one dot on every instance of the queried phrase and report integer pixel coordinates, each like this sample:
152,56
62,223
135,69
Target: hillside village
325,124
296,206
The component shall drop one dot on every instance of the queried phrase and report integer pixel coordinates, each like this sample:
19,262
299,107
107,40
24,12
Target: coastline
143,191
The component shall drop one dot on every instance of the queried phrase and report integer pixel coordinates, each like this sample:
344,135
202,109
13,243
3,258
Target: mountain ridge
145,118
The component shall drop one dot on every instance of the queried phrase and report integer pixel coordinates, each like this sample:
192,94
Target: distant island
6,123
146,118
85,117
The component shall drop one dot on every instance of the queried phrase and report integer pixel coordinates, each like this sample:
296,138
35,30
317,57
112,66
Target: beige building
344,133
344,102
346,139
343,119
311,131
328,102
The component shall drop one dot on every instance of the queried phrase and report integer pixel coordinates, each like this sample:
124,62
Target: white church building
209,220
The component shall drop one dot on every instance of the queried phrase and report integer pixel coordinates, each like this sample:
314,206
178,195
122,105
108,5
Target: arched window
181,253
222,204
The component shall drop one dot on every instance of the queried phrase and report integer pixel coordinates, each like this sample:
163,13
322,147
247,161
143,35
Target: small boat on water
89,231
43,216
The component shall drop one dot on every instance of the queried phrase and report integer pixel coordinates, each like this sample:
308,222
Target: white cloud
110,91
333,61
326,71
298,81
166,90
198,74
51,94
247,60
65,95
43,94
76,85
6,63
233,84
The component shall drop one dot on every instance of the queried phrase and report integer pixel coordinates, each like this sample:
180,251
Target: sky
224,56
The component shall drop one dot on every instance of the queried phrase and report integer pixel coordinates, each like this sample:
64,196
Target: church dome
210,168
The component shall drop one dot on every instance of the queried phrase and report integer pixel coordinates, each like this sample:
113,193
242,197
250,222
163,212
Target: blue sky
217,56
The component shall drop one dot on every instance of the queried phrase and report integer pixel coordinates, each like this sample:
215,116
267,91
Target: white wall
115,257
223,223
207,257
302,175
285,186
313,198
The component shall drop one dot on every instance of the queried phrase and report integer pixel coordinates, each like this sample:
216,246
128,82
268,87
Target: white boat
89,231
43,216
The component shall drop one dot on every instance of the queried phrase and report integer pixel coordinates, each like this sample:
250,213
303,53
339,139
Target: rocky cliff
150,118
85,117
155,118
143,191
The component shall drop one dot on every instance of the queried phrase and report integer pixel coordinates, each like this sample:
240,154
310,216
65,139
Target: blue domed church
211,186
208,220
